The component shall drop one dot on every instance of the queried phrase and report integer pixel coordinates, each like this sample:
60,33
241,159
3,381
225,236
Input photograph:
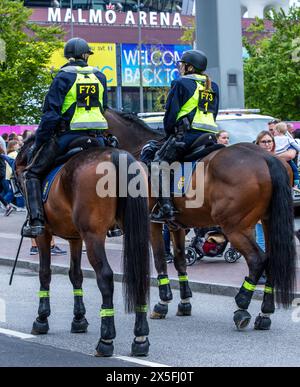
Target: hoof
40,327
262,323
241,319
140,349
104,349
79,326
184,309
159,312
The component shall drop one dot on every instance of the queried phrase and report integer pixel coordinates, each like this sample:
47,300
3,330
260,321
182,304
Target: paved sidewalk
210,275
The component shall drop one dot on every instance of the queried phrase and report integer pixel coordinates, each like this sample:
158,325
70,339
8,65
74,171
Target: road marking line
20,335
140,361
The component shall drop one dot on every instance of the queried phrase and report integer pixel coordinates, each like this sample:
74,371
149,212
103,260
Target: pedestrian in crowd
271,125
12,152
290,128
7,207
3,144
5,138
55,250
283,143
266,141
27,134
223,137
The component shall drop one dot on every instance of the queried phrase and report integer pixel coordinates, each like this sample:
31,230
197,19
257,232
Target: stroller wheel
232,255
190,256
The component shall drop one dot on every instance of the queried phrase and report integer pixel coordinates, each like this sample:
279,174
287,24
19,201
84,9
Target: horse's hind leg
79,323
184,307
104,275
245,243
40,325
263,321
165,294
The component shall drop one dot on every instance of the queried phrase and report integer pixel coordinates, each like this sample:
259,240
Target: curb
196,286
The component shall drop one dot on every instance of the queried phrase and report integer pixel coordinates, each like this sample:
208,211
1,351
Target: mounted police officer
191,110
74,107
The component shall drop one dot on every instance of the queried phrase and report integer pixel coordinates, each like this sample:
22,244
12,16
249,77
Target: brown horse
242,185
75,211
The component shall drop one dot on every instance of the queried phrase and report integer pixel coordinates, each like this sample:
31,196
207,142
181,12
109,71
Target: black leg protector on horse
241,316
165,292
140,345
268,305
108,332
244,297
263,321
79,323
40,325
185,290
184,307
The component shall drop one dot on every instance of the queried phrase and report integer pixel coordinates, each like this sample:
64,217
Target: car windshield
243,129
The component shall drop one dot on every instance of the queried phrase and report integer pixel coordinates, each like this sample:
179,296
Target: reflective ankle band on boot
268,290
163,281
44,294
141,309
183,278
78,292
249,286
107,313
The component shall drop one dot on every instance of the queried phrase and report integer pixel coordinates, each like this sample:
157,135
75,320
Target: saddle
76,146
202,147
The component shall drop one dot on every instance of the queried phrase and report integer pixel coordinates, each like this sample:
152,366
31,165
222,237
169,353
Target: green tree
24,72
272,72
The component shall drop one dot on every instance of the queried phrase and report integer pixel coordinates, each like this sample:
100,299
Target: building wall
258,7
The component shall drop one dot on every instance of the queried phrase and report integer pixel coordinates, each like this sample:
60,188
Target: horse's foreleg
165,294
79,323
104,275
40,325
245,243
184,307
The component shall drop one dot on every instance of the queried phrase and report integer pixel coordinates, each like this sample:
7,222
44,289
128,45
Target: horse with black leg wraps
75,211
243,184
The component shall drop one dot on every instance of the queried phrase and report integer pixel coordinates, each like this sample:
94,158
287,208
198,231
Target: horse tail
281,248
134,215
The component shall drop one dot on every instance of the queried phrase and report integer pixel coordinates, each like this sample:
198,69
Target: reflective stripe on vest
202,121
84,119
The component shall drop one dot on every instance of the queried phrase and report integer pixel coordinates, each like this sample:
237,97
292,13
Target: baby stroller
209,242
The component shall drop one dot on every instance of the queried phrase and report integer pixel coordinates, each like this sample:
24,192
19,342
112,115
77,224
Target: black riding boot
165,213
33,195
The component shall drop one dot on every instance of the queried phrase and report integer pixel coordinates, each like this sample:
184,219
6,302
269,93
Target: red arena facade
112,29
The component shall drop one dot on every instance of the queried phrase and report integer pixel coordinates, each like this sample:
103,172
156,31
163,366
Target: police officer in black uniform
73,108
191,111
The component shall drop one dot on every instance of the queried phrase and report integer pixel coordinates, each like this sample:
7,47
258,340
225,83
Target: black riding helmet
76,47
195,58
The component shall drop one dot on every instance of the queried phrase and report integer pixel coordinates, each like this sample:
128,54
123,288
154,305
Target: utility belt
89,132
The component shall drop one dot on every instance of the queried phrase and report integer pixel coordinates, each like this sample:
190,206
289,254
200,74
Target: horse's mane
134,119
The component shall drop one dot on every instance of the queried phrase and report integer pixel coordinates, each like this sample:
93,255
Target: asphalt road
207,338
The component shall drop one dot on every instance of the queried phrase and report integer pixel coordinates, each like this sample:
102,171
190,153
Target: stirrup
161,217
114,232
29,231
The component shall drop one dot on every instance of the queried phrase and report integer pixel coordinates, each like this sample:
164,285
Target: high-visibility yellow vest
202,100
87,92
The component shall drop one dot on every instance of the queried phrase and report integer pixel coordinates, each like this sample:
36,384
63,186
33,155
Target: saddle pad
182,178
47,183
